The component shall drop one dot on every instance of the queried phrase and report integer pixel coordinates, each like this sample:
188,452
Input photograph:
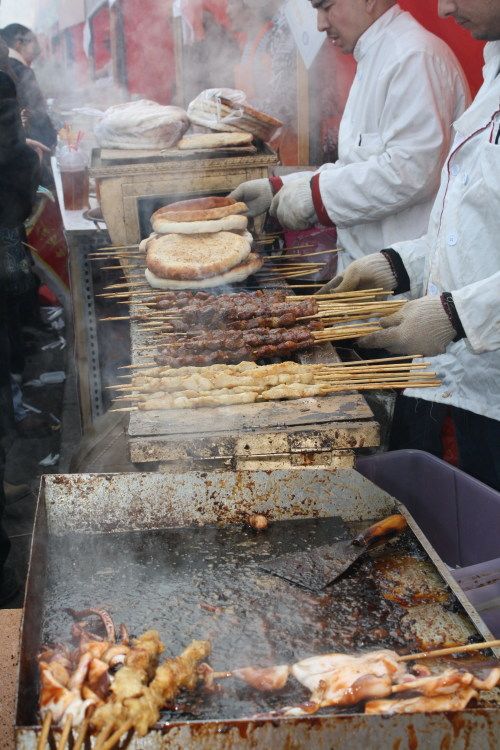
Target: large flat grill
170,551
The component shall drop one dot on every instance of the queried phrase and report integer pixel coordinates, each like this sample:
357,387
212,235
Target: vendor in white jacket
453,272
393,138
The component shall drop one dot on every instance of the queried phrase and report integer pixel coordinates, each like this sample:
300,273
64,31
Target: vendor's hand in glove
371,272
293,204
422,326
257,194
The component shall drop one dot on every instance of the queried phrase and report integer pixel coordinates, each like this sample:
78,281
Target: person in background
267,71
453,275
393,138
23,50
19,176
20,283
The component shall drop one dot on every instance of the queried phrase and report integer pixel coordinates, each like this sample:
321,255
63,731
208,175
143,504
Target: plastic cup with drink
72,165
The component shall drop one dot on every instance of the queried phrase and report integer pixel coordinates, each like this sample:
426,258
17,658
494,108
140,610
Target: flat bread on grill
240,272
184,257
234,223
199,209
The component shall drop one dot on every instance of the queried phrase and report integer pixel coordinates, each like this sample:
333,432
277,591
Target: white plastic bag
141,125
227,110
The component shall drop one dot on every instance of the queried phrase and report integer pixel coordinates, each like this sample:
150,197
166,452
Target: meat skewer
140,709
44,734
421,704
61,745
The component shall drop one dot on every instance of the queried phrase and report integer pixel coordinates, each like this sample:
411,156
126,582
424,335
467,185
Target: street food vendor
393,138
453,275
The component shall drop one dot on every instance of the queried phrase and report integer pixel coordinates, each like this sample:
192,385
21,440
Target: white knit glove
293,204
371,272
257,194
421,327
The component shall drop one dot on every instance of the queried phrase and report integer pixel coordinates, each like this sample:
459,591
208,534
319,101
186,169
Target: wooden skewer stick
103,736
451,650
112,247
298,247
44,734
117,317
294,266
65,732
376,291
286,256
81,735
384,360
116,736
287,275
118,258
116,268
123,284
379,386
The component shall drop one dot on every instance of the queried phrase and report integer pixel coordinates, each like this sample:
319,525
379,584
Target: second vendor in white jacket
393,138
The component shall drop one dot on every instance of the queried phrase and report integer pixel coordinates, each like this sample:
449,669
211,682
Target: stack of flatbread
198,244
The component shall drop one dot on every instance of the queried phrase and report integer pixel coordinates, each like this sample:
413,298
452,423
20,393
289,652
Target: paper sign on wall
301,18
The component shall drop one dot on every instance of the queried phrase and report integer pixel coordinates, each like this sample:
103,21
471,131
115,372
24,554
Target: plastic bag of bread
141,125
227,110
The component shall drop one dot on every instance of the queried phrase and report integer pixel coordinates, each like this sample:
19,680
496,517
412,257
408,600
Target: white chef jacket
461,253
394,135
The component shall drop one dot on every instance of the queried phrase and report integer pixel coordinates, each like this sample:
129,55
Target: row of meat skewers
203,346
109,686
222,385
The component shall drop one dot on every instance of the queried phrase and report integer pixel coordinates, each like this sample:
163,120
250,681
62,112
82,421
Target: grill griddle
163,562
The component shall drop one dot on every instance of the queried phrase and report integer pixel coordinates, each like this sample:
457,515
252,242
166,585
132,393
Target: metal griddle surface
203,582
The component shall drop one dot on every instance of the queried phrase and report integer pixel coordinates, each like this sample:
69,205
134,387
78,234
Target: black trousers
6,418
418,424
4,539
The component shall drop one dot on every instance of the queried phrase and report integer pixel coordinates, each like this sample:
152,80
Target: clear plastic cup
74,177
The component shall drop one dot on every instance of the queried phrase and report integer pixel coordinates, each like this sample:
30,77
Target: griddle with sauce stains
172,552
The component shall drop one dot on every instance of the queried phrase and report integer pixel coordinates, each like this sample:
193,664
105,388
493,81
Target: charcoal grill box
325,431
77,514
132,185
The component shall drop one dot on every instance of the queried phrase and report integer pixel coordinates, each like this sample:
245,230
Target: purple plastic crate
459,515
481,583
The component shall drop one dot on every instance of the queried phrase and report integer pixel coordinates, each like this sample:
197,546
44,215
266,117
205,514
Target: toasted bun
239,273
235,223
199,209
184,257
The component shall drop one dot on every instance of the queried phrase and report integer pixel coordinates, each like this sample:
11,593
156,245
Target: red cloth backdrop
468,50
75,51
101,37
149,48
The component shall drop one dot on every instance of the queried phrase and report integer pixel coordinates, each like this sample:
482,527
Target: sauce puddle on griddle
203,582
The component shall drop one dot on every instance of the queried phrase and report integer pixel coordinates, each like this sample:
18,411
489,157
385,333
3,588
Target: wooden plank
338,408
